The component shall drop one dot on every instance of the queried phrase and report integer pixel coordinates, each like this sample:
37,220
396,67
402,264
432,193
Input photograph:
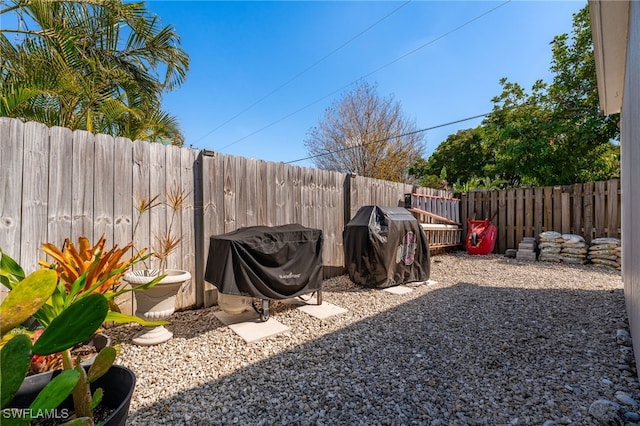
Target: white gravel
494,342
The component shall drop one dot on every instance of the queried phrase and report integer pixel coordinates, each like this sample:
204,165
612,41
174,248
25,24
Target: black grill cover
385,246
276,262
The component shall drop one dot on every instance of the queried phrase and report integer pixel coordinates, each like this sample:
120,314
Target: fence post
346,190
198,229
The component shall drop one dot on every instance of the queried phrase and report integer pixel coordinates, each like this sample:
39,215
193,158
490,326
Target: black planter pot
118,384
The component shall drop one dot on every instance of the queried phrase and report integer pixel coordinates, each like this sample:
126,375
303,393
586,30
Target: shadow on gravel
463,354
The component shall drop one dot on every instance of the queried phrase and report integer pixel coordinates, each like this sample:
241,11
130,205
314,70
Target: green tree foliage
96,65
365,134
556,134
461,156
553,135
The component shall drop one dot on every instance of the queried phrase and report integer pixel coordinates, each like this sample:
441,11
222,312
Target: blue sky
263,73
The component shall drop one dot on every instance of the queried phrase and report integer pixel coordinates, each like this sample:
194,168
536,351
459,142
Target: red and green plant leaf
26,298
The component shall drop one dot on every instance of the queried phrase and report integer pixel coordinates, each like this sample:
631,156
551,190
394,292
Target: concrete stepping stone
399,289
419,283
248,326
324,311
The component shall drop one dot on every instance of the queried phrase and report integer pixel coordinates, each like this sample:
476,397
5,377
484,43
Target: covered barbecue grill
384,247
267,263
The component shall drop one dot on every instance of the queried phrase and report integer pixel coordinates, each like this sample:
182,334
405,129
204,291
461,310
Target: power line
437,39
388,138
313,65
367,75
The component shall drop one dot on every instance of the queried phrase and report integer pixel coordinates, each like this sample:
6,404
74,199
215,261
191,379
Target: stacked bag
550,246
557,247
571,248
606,251
574,249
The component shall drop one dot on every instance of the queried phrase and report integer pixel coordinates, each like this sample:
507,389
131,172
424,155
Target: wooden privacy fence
57,183
588,209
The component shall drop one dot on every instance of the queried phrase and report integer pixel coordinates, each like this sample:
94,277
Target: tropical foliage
96,65
553,135
68,316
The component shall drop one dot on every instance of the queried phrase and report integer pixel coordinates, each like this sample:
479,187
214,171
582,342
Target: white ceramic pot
156,303
234,304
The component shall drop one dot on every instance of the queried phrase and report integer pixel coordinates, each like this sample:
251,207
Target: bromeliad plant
71,262
103,270
69,315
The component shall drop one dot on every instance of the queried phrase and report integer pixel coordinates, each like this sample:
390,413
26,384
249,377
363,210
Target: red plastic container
481,236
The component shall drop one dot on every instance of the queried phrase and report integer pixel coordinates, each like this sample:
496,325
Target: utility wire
436,39
347,148
367,75
313,65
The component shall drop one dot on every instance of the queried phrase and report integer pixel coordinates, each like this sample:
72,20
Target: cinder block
510,253
526,246
526,256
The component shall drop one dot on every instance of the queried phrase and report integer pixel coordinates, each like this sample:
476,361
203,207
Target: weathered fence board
123,192
577,210
166,175
528,211
511,214
212,214
250,192
600,207
11,181
502,221
281,208
565,209
229,194
261,192
241,191
613,207
103,195
35,193
519,213
83,178
142,195
294,196
587,206
271,185
184,227
123,208
60,179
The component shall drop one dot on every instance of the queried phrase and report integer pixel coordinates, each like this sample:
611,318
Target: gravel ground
494,342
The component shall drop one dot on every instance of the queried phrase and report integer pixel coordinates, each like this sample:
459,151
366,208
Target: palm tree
97,65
